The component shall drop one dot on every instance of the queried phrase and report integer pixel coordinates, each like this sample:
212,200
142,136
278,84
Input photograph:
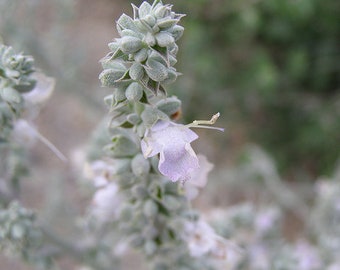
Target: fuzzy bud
164,39
169,105
136,72
134,92
150,208
139,165
129,44
156,71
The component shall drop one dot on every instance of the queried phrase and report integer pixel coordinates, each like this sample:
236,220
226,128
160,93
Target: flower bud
113,46
141,55
160,11
150,247
108,77
139,165
164,39
122,146
177,31
150,20
171,202
156,71
169,105
151,115
150,208
144,9
167,23
140,192
136,72
10,95
134,92
119,94
150,39
129,44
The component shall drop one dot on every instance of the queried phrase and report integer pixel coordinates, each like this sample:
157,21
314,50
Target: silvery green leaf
126,22
149,19
167,23
156,71
134,92
113,46
10,95
142,26
164,39
174,49
105,61
113,65
136,71
144,9
160,11
109,100
169,105
140,166
128,32
172,60
129,44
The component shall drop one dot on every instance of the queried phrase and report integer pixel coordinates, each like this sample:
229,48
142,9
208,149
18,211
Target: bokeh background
271,67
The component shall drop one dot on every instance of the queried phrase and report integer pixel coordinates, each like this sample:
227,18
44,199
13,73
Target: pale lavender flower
42,90
200,237
202,240
106,202
172,142
308,256
100,172
199,177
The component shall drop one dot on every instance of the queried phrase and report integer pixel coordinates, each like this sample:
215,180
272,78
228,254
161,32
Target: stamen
200,123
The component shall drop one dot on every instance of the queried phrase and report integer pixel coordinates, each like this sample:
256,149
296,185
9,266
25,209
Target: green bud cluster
145,54
15,78
21,236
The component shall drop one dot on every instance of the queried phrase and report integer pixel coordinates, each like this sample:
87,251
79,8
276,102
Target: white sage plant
152,171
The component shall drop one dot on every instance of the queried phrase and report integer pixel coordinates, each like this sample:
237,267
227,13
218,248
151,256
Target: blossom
172,142
106,202
199,177
42,90
203,240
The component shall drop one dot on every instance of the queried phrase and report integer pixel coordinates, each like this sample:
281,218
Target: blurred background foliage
272,68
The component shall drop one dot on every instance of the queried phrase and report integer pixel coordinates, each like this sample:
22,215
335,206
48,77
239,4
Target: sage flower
106,202
172,141
199,178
